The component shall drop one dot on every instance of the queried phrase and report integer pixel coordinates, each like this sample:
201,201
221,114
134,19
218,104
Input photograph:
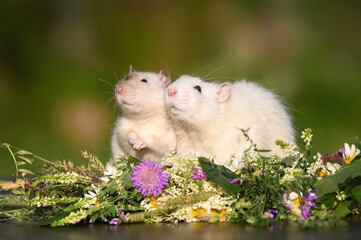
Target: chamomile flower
93,194
350,153
110,172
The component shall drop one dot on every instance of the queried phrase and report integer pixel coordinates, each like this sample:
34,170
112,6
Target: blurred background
57,55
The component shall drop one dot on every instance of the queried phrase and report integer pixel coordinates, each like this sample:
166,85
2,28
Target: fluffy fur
143,128
208,117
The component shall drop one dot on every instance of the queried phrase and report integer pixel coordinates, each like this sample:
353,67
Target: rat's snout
119,89
172,92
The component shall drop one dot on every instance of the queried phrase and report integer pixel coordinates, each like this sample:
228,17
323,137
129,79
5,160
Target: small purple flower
342,150
120,212
271,213
114,221
305,213
200,174
308,202
149,178
236,180
122,216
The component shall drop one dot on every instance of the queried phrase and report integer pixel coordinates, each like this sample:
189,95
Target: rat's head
195,102
141,92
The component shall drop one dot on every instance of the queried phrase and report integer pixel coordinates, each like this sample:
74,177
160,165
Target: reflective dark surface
222,231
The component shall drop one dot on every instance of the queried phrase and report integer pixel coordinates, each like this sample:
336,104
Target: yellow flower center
221,213
297,202
196,212
153,201
349,159
321,173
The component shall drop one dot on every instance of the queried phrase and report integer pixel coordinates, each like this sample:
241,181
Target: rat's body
143,128
210,117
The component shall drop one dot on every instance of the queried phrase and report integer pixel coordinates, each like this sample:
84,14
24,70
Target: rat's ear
163,78
223,91
131,69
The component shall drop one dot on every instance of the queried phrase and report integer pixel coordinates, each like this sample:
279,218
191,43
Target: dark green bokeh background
52,54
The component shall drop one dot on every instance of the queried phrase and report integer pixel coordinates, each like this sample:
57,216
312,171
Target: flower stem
13,156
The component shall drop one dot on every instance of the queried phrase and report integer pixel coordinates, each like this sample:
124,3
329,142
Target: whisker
219,78
164,63
112,70
112,93
215,70
102,80
125,73
201,69
109,101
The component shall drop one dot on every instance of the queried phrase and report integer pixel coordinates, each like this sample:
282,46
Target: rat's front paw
138,145
135,140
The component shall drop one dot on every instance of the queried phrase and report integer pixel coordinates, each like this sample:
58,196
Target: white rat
209,117
143,128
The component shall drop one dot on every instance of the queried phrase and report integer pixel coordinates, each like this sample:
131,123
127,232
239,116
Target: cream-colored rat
209,117
143,128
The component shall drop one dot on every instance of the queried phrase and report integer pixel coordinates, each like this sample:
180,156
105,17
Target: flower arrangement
297,187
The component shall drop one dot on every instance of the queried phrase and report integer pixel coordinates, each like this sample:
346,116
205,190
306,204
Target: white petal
105,179
347,150
353,149
357,152
293,196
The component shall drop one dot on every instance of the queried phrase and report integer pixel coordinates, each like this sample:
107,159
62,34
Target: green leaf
132,160
23,152
330,184
342,210
26,171
356,191
220,175
27,160
263,150
328,199
59,216
112,210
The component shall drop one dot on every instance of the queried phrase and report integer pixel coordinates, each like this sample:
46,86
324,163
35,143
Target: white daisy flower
110,172
350,153
93,194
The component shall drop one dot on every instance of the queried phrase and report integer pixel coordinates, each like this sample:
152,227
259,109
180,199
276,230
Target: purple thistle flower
149,178
114,221
200,174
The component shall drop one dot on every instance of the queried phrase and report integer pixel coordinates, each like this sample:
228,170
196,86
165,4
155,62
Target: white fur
210,121
143,128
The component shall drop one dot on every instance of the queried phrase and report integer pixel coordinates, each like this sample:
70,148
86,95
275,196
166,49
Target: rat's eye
198,88
144,80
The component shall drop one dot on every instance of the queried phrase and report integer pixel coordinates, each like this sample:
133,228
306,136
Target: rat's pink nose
172,92
119,89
